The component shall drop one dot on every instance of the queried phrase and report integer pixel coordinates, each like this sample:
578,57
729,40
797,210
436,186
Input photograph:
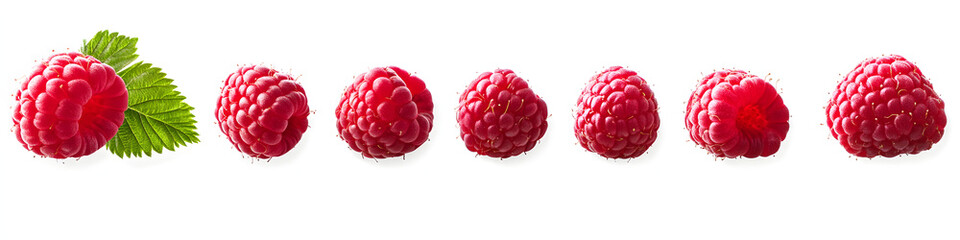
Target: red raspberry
263,112
617,114
886,107
70,106
733,113
385,113
500,116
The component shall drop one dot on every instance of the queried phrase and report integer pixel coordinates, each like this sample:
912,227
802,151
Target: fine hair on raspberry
500,116
733,113
886,107
386,112
69,106
616,114
262,112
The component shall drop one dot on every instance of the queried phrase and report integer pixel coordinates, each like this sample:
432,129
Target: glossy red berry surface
616,114
262,112
500,116
733,113
70,106
386,112
886,107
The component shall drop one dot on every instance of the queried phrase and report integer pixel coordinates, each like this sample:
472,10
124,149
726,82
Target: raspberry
263,112
500,116
70,106
617,114
385,113
886,107
733,113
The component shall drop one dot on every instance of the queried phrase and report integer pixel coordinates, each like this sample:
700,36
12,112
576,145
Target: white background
810,189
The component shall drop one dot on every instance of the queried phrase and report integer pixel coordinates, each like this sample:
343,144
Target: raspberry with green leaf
75,103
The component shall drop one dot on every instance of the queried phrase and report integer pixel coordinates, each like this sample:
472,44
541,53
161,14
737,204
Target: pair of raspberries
884,107
72,104
388,112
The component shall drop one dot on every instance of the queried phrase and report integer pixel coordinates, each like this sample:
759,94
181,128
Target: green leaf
111,48
157,116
